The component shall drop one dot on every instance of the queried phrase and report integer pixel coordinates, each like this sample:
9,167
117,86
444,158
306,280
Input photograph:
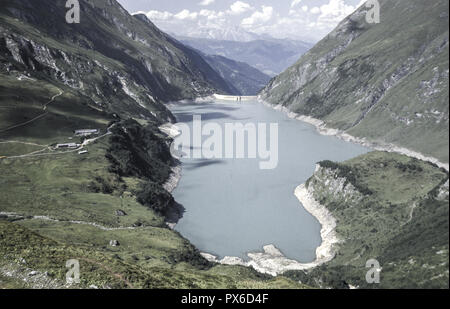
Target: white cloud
315,10
157,15
300,20
332,13
295,3
206,2
186,14
336,8
206,13
239,7
259,17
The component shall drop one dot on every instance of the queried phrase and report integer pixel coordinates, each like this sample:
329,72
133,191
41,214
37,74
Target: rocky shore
172,131
324,130
174,179
272,261
176,212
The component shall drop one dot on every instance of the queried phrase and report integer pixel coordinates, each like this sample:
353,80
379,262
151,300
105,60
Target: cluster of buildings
79,133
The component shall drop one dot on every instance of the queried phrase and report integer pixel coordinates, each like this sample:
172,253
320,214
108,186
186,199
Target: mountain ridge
257,53
245,78
386,83
153,67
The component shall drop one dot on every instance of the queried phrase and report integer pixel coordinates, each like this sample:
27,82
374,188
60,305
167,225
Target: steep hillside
122,63
405,226
38,262
386,82
104,208
247,80
269,56
97,197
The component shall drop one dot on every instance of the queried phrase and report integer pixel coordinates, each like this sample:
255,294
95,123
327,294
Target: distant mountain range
269,55
236,34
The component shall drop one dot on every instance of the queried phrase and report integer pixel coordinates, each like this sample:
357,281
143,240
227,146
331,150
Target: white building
68,145
86,132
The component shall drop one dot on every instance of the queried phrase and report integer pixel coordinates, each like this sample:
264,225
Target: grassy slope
71,192
71,187
22,101
397,69
58,187
401,224
26,251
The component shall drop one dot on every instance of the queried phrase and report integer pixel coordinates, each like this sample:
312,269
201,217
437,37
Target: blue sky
296,19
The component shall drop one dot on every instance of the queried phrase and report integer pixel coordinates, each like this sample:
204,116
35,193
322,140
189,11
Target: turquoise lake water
232,207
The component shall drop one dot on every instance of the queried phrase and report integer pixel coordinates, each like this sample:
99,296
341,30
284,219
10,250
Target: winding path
44,109
38,154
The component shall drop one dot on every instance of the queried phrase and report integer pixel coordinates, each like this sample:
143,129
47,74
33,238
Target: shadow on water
188,117
219,107
201,163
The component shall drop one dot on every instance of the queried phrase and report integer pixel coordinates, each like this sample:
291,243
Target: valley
356,170
61,205
269,56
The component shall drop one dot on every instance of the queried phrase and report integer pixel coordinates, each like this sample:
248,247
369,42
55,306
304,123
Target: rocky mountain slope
270,56
386,82
123,63
403,226
247,80
98,198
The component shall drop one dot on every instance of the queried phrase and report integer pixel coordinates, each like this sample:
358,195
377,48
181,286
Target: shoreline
171,184
174,178
322,128
173,132
272,261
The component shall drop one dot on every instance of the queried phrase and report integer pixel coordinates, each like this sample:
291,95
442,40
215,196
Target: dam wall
234,98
